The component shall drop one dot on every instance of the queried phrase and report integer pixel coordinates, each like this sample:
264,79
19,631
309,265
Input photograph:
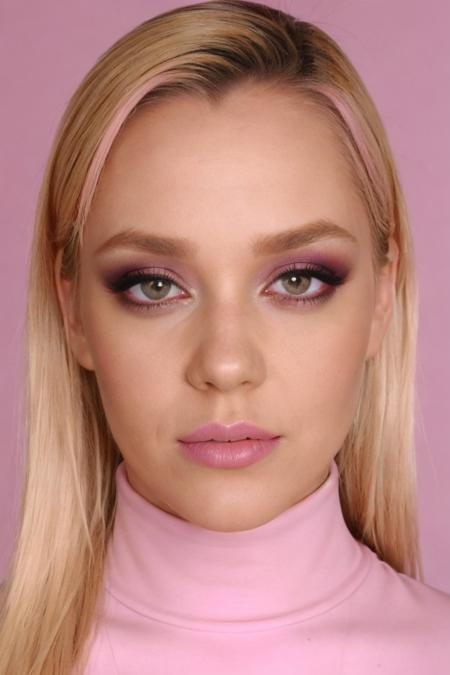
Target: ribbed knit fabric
296,595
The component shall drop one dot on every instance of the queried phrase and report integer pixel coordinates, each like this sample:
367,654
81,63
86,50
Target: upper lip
220,432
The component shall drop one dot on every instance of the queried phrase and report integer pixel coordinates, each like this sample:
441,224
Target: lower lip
232,454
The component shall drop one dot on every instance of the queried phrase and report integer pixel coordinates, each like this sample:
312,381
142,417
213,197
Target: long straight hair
54,579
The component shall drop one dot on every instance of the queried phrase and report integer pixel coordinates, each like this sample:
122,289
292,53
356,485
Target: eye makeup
327,276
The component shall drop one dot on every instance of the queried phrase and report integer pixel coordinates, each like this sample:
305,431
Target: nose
227,352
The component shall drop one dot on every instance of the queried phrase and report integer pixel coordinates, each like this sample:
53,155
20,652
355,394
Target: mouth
235,440
229,453
218,432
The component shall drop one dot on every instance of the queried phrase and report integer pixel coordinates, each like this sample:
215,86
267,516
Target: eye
142,287
296,285
303,284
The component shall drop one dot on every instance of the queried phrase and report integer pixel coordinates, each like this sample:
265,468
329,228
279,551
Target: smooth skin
260,162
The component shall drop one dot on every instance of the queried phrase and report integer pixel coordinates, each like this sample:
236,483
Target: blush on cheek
337,380
332,412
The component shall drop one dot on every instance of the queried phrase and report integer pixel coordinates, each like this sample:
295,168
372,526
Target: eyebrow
268,244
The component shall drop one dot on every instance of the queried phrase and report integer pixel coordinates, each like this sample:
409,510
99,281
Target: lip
229,454
221,446
215,431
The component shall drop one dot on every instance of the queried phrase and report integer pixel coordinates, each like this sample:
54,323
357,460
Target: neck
299,564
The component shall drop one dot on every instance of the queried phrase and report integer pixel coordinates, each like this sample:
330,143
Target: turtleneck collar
300,564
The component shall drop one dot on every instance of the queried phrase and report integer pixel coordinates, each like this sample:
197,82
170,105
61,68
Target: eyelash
309,271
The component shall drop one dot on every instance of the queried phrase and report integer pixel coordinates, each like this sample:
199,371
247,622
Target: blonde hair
68,503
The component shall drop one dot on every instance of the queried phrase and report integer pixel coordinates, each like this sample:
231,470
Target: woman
221,325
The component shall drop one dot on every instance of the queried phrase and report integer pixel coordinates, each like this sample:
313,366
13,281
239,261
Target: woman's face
235,340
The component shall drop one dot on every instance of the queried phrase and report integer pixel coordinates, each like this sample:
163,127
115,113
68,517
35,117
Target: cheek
133,372
329,369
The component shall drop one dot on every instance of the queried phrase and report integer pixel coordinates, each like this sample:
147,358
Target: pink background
401,49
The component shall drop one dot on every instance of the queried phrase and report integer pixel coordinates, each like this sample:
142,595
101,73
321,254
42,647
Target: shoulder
398,623
414,595
406,605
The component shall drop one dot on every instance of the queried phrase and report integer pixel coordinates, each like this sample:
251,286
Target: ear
384,301
73,328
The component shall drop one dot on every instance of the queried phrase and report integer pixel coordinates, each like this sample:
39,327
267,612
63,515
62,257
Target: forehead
259,159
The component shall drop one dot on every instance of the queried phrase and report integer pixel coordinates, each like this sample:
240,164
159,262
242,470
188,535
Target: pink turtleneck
296,595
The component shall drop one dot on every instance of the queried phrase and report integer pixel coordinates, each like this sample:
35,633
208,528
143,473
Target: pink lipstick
222,446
